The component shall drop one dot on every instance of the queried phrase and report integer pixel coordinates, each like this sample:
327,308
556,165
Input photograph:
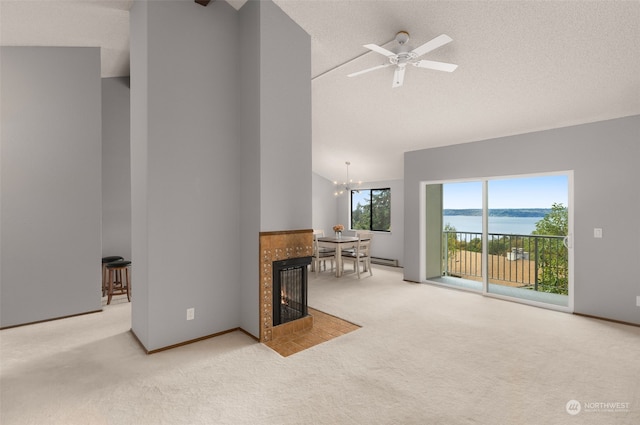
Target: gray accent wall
51,183
275,133
604,158
220,150
250,199
185,170
139,100
285,121
116,168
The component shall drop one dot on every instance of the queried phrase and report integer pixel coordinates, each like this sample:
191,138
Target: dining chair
364,234
360,255
317,233
321,254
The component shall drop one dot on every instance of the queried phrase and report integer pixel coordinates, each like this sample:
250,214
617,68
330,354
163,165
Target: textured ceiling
523,66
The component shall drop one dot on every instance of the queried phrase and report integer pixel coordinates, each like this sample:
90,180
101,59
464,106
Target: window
371,209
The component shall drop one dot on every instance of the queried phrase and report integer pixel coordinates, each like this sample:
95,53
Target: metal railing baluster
511,259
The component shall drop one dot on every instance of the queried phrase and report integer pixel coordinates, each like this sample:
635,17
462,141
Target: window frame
370,209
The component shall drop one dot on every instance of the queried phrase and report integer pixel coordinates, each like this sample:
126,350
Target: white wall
51,178
185,170
324,204
116,168
604,157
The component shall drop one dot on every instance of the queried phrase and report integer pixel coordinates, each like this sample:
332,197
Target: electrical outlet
191,313
597,233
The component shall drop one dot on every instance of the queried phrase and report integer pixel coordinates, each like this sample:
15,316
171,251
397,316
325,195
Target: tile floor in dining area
325,327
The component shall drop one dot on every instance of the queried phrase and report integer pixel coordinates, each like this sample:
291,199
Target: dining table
339,243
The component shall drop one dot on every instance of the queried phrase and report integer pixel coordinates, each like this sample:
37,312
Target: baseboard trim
384,261
411,281
191,341
607,320
50,320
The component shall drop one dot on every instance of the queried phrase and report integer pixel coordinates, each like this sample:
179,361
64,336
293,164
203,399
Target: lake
506,225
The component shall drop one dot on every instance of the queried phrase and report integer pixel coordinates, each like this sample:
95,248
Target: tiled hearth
325,327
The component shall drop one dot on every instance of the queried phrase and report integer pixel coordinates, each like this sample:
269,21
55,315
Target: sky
360,197
529,192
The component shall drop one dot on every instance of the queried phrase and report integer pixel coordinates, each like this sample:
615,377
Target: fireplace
284,256
289,289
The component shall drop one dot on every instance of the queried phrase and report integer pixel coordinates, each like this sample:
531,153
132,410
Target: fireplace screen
290,289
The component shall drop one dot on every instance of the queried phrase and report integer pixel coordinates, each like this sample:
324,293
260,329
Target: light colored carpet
424,355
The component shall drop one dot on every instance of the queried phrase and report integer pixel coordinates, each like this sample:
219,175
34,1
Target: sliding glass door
527,238
509,237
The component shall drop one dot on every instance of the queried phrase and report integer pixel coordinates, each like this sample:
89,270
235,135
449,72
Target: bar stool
106,260
118,279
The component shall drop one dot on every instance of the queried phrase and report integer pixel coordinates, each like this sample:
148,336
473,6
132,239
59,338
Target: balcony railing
525,261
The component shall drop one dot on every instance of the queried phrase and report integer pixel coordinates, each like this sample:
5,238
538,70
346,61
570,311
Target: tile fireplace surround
276,246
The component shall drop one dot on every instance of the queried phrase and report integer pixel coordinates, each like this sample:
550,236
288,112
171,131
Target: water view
504,225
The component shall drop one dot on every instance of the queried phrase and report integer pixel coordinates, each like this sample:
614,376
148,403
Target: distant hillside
500,212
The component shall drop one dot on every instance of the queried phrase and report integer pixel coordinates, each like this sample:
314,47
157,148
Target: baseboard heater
384,261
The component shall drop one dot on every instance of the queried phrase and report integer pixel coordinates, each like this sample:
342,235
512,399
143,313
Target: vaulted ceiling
523,66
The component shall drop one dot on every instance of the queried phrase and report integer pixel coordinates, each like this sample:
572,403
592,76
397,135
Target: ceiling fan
405,57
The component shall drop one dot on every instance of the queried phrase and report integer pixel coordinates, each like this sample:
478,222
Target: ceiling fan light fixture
402,37
346,186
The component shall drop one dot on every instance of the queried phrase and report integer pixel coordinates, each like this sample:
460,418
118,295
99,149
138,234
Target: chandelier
346,186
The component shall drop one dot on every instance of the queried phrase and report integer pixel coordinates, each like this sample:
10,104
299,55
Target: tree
555,223
474,245
452,240
500,245
381,209
449,248
360,217
552,256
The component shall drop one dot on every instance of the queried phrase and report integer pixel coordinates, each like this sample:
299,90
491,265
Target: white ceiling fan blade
398,76
380,50
364,71
439,41
438,66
